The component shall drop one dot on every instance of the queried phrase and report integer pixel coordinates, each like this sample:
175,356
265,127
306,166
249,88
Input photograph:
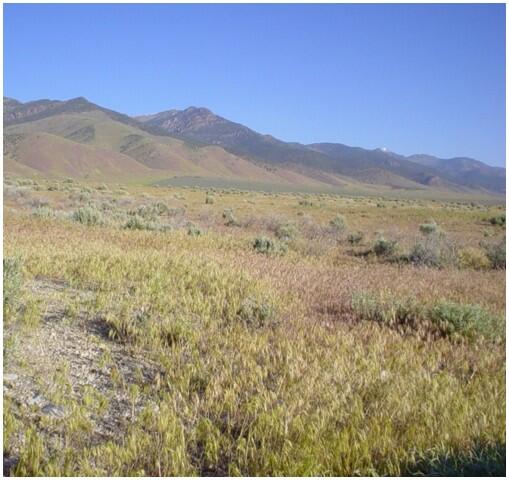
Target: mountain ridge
199,127
200,124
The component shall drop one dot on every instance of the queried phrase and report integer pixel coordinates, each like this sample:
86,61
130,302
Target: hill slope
202,125
52,138
198,143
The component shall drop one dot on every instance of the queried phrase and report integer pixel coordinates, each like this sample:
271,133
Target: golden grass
264,367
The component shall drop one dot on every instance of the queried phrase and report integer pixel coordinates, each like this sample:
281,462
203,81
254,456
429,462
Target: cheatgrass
266,365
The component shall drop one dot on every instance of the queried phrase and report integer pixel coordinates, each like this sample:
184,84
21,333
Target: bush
150,212
39,202
256,313
194,230
498,220
496,254
434,251
473,258
44,212
424,255
135,222
160,208
268,246
387,310
469,321
229,217
286,232
338,223
355,238
446,319
428,228
385,248
13,279
87,216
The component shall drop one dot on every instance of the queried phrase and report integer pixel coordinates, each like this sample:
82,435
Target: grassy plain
183,331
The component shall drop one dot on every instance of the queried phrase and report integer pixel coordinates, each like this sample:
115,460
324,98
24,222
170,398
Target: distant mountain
79,138
368,166
355,161
466,171
203,126
17,112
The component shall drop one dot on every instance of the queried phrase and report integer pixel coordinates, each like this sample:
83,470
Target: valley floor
179,331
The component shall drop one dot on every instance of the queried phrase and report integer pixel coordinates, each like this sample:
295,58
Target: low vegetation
447,319
250,335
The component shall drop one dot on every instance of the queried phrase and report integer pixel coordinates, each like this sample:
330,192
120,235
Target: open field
184,331
350,189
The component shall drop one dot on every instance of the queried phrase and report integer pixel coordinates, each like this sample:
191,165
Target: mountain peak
198,110
78,99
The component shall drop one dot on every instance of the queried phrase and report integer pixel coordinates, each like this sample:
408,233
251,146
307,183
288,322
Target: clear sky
411,78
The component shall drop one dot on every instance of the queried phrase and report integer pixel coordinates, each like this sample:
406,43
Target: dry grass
265,366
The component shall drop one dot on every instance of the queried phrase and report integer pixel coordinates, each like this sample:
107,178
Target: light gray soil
48,368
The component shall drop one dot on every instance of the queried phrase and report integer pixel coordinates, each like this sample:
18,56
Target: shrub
229,217
355,238
25,182
496,254
13,279
135,222
209,199
498,220
385,248
305,203
469,321
150,212
87,216
286,232
434,251
194,230
428,228
446,319
473,258
268,246
80,197
391,311
160,208
424,255
338,223
44,212
39,202
256,313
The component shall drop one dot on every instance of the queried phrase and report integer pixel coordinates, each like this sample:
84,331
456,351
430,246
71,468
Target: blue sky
411,78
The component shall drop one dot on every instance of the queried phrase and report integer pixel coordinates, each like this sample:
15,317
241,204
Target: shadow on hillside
483,461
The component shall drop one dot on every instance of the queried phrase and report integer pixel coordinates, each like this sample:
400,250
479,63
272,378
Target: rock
9,464
10,377
37,400
53,410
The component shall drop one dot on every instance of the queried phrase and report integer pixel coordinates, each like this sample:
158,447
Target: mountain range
77,138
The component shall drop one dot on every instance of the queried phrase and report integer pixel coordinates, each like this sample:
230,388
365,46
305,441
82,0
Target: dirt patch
69,367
